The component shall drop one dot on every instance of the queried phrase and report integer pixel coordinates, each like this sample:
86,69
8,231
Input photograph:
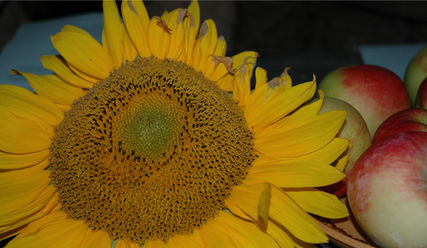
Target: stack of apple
387,168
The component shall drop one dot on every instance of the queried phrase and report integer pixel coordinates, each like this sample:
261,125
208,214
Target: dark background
312,37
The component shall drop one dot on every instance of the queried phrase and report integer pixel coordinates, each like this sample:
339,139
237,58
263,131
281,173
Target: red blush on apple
387,190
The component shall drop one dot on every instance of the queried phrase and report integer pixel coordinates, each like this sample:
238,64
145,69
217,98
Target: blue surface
33,40
393,57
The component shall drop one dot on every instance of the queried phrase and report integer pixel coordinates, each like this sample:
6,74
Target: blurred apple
354,129
421,101
416,72
374,91
403,121
387,190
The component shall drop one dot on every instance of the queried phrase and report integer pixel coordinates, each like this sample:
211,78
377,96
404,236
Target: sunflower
154,138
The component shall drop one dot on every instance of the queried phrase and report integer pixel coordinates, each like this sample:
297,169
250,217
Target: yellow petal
214,235
231,65
52,232
16,227
154,244
191,27
253,200
113,32
222,67
104,42
10,161
272,109
59,67
194,12
283,82
21,135
22,210
210,67
136,20
26,104
221,47
260,77
242,85
71,28
63,107
280,235
177,41
53,88
174,22
99,239
305,112
81,74
184,240
318,202
328,153
23,192
164,14
342,163
205,45
237,211
226,82
158,37
293,173
246,57
259,95
138,7
302,113
288,214
36,225
129,49
244,233
84,53
122,243
300,138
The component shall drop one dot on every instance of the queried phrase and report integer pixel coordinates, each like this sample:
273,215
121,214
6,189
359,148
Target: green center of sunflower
150,152
151,129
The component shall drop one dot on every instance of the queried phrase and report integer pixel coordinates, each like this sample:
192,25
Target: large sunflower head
154,138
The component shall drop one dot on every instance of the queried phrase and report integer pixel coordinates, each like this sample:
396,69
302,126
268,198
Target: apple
416,72
374,91
421,101
354,129
403,121
387,190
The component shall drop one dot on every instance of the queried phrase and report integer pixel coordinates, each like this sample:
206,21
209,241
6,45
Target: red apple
416,72
374,91
387,190
354,129
421,101
403,121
